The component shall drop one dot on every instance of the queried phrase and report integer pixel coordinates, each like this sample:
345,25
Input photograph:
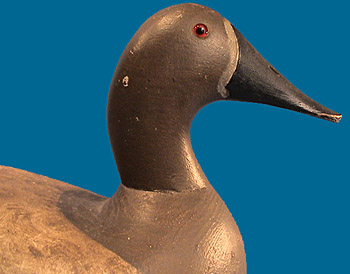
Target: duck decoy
165,216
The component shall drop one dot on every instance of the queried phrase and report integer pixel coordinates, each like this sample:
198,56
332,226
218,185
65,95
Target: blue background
284,175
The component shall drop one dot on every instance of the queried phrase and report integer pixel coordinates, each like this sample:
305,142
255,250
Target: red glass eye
201,30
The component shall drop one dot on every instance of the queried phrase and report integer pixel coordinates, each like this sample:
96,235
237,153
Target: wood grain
36,238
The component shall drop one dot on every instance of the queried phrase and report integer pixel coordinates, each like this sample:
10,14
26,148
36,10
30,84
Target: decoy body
165,216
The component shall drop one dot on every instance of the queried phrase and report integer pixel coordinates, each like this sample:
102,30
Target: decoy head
188,55
180,59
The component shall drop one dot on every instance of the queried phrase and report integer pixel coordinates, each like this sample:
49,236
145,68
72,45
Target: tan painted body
42,232
36,238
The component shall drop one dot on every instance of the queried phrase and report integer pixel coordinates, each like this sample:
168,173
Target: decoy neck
181,59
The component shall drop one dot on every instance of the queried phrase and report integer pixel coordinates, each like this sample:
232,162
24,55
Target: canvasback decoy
165,216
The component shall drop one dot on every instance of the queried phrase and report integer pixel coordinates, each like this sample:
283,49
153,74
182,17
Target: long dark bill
256,80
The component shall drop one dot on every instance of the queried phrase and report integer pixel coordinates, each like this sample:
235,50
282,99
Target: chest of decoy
169,228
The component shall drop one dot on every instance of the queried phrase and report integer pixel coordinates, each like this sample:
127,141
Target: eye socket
201,30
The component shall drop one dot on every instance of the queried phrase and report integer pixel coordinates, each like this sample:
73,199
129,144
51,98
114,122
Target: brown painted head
181,59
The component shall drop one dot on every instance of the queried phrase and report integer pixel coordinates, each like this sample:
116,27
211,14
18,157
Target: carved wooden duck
165,216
